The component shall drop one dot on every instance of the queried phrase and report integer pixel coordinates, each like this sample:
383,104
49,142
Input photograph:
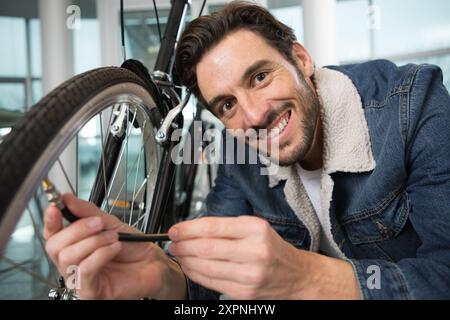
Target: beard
296,150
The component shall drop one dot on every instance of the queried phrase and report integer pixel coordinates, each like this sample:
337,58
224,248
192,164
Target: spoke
147,136
135,225
126,158
66,176
132,121
121,188
110,121
135,177
38,234
39,203
126,161
147,216
118,165
140,188
114,177
103,151
31,273
123,183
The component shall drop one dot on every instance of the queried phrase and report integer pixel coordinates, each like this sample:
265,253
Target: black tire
43,130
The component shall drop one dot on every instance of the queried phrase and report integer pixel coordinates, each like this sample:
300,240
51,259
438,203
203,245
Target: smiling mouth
278,126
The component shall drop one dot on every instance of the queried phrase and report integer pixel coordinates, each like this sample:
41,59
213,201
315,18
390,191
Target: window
12,95
291,16
13,63
142,37
404,31
86,42
353,36
408,26
13,53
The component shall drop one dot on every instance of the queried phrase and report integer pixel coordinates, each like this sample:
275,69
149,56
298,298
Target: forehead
224,64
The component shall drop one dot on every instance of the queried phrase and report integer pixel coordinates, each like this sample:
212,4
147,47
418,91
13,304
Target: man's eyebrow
247,74
253,68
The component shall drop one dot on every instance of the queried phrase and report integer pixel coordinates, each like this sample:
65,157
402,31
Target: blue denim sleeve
427,150
225,199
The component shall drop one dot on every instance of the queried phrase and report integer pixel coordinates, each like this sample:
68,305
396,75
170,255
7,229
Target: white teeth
274,132
279,128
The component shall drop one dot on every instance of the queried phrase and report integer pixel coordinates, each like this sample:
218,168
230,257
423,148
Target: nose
254,109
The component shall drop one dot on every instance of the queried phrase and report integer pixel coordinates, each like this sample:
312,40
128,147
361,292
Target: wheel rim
129,196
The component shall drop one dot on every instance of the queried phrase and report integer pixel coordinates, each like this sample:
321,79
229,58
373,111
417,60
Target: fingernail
172,248
94,223
173,233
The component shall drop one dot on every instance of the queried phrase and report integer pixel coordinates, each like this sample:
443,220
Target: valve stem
54,198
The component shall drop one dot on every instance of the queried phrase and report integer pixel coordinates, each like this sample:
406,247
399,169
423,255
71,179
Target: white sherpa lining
346,148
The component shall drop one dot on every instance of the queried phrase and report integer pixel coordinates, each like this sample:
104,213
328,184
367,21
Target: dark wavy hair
203,33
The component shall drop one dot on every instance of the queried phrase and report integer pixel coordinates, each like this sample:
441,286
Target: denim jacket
385,181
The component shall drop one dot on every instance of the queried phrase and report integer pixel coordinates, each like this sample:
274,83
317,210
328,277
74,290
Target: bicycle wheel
63,137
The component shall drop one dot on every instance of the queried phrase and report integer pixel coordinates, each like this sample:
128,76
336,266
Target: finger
52,221
91,266
74,254
85,209
80,208
220,227
212,248
75,232
221,270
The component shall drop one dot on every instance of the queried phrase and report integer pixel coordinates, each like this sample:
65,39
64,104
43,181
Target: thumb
80,208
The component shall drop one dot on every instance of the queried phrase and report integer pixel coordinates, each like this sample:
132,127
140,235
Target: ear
303,59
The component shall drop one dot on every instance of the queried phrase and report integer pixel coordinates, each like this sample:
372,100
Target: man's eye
260,77
227,106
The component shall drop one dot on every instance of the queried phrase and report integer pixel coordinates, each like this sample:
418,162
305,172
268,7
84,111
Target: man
359,205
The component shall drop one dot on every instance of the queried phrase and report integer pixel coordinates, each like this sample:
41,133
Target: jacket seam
279,220
408,148
366,213
403,88
373,239
401,281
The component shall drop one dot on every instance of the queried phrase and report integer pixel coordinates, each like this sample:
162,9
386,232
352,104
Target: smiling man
358,207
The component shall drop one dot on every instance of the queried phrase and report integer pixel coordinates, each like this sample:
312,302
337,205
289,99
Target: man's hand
245,258
109,269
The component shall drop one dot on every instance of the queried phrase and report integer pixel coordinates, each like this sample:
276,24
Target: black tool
54,198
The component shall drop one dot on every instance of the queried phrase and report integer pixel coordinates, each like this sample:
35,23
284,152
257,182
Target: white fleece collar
346,148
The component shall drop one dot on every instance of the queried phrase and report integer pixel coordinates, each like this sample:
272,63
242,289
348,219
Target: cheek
279,89
235,122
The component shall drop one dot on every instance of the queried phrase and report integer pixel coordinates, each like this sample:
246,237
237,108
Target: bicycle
133,112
